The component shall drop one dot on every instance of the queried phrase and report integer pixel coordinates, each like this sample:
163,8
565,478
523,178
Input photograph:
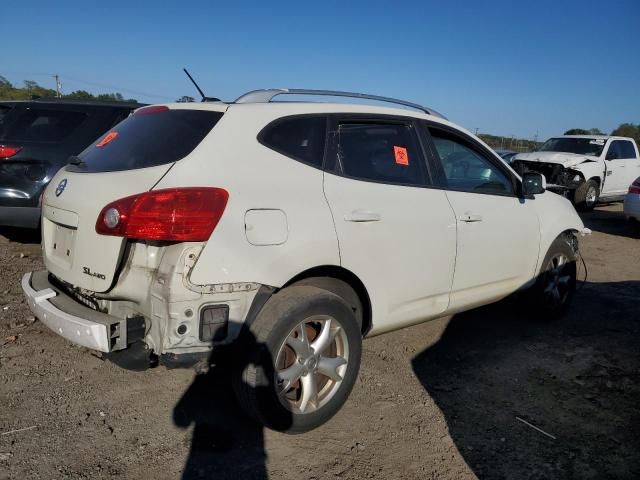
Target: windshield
581,146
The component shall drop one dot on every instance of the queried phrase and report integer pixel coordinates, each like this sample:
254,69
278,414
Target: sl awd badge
61,186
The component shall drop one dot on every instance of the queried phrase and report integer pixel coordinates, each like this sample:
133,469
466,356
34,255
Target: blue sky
504,67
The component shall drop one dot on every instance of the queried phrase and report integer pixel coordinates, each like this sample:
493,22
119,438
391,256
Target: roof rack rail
267,95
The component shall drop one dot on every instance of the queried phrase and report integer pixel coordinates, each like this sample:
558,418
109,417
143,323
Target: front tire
302,359
586,195
556,284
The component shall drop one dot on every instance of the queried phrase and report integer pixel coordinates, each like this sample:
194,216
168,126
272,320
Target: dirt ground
439,400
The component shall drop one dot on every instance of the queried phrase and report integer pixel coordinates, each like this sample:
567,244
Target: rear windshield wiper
75,160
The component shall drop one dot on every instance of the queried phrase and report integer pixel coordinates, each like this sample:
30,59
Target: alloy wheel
557,285
311,364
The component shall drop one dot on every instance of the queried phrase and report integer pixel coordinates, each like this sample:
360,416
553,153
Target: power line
95,84
114,87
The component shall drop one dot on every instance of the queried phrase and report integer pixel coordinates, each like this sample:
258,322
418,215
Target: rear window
147,140
40,125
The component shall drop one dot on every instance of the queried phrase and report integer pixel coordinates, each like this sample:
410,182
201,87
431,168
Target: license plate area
59,243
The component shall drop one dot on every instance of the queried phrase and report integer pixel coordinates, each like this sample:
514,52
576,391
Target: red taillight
174,214
151,109
635,187
6,151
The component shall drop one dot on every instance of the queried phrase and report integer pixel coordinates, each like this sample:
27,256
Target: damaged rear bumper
74,321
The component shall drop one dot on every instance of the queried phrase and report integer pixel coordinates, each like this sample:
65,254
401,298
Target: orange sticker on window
109,137
402,157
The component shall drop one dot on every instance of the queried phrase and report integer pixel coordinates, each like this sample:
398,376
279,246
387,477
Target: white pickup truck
585,168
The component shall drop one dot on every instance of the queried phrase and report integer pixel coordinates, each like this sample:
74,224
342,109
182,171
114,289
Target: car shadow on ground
578,379
226,443
611,222
21,235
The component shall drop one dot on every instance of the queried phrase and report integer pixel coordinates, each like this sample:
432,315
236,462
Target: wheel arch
341,274
571,232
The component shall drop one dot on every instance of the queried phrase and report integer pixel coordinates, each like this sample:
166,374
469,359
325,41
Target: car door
498,232
620,170
394,232
629,156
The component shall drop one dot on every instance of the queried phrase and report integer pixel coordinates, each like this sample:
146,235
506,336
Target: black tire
255,382
583,197
546,305
341,289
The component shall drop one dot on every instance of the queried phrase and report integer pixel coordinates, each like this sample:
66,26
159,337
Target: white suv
293,230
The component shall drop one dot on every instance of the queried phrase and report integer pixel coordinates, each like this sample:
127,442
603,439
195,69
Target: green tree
32,89
577,131
628,130
185,99
582,131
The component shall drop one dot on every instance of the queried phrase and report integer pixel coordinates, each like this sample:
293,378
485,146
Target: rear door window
41,125
301,138
626,150
381,152
147,140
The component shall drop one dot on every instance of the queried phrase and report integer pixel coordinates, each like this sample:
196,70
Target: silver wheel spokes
591,196
557,280
311,364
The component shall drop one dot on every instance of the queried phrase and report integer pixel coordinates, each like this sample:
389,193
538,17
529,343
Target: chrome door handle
362,216
470,217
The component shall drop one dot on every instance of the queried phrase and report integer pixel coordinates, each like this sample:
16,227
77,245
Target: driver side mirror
533,183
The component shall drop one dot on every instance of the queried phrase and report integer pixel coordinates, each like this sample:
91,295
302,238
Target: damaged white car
584,168
292,229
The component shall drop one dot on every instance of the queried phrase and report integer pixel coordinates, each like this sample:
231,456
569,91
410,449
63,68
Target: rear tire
586,195
302,359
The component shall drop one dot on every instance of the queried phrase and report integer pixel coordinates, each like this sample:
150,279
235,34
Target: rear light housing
635,187
7,152
173,214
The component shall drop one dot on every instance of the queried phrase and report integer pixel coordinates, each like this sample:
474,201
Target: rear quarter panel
257,177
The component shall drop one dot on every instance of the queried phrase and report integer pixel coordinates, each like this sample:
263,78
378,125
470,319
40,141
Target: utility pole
476,131
58,85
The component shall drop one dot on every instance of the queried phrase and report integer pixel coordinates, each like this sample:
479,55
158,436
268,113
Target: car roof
266,97
600,137
78,102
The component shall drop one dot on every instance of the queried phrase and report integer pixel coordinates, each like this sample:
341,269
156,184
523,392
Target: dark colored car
37,137
507,155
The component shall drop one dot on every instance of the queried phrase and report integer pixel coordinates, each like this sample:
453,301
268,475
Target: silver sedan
632,201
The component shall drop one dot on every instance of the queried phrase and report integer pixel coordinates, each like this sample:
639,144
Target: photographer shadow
226,443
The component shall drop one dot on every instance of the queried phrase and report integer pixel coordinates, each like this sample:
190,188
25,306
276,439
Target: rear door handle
470,217
362,216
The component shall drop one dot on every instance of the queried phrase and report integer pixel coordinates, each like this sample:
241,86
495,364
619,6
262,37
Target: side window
626,150
466,169
301,138
614,152
388,153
